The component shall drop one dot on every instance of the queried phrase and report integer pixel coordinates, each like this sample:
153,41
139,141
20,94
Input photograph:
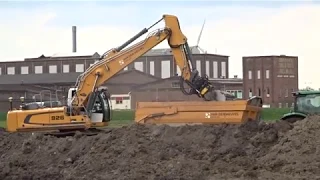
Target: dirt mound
254,150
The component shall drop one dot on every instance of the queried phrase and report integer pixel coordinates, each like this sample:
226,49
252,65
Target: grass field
273,114
2,123
125,117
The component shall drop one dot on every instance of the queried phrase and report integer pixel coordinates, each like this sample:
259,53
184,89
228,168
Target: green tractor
305,103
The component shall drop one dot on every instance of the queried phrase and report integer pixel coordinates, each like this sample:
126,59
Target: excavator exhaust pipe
198,112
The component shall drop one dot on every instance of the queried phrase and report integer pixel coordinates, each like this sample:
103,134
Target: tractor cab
305,103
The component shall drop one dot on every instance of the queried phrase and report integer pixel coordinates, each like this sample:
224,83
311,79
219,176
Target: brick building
271,77
60,71
159,63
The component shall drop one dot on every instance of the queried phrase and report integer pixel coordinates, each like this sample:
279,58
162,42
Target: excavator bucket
198,112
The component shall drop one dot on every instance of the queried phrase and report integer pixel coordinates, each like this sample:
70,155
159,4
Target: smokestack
74,39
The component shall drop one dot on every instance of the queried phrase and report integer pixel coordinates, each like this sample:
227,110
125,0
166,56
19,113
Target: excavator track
64,133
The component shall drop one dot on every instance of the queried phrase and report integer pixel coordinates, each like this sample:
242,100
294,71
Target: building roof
152,52
136,71
60,78
39,78
23,87
75,54
64,56
227,81
96,55
269,56
10,87
216,81
167,51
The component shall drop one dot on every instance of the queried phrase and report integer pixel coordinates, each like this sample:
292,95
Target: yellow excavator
90,105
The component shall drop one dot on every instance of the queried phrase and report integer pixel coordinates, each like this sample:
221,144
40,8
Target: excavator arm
116,59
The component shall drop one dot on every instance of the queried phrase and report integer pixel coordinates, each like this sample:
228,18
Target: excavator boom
118,59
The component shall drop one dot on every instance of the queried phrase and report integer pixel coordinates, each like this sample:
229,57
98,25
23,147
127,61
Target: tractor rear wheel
293,119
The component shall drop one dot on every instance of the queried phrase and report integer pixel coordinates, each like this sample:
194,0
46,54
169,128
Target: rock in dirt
254,150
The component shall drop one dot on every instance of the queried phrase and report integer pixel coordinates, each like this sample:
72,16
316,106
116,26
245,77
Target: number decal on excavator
54,118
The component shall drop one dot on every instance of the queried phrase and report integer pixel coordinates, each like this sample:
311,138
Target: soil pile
254,150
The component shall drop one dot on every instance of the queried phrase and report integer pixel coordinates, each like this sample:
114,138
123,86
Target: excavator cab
98,108
101,110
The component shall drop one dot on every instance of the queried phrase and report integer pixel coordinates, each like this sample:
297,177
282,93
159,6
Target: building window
151,68
287,105
0,70
10,70
175,85
250,93
38,69
208,68
233,92
236,93
292,92
165,69
287,93
215,69
239,94
280,105
126,68
268,92
267,74
138,66
24,70
79,67
65,68
223,69
280,93
198,66
249,74
119,100
258,74
259,92
53,69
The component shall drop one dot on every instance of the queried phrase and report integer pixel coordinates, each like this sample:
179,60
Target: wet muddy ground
254,150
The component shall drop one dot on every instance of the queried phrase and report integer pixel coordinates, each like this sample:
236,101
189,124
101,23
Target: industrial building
152,77
274,78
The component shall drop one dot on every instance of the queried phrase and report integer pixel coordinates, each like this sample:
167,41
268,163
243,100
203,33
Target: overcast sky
233,28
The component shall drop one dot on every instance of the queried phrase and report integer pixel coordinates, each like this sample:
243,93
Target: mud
255,150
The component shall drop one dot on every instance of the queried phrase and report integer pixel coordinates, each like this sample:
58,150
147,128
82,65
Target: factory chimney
74,39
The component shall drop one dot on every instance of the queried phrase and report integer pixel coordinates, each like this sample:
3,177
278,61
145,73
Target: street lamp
10,101
22,99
